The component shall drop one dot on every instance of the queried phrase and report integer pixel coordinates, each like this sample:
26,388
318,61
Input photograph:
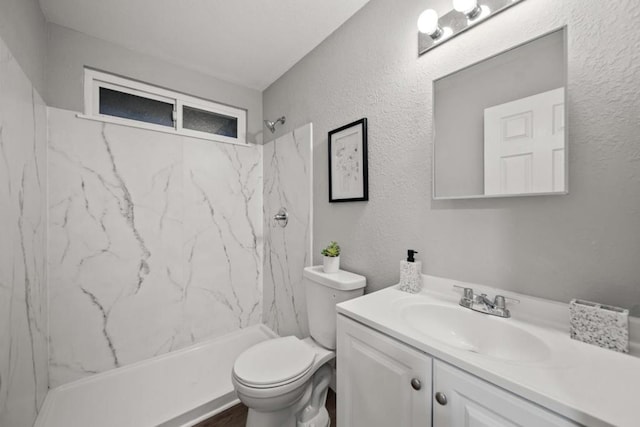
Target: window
134,107
206,121
115,99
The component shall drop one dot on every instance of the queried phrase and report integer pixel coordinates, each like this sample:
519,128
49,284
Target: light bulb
428,22
465,6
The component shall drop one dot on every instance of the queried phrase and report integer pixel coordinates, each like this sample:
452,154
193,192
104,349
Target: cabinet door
472,402
375,375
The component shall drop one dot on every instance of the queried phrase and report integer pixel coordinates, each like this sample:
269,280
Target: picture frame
348,163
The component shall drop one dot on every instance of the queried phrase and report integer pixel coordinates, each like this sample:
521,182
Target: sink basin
475,332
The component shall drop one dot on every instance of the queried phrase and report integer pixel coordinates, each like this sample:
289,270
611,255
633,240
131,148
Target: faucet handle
510,300
467,293
500,301
500,306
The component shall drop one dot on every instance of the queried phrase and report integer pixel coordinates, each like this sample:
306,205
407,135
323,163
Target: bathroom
138,264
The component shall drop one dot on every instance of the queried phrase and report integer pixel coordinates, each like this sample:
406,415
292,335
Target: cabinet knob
441,398
416,384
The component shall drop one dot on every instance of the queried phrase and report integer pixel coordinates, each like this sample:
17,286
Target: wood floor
236,416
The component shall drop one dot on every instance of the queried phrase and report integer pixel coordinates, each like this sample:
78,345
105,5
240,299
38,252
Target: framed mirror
500,124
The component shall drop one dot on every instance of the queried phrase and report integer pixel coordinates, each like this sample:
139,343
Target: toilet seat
274,363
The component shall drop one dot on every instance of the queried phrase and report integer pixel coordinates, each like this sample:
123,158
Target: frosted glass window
114,99
209,122
132,107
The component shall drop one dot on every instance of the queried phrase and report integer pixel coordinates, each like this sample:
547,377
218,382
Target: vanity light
436,30
469,7
428,24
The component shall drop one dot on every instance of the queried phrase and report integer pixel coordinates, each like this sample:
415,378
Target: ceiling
249,42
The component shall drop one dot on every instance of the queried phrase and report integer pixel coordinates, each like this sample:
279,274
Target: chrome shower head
271,125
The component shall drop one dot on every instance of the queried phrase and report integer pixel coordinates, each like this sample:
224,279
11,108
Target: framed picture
348,169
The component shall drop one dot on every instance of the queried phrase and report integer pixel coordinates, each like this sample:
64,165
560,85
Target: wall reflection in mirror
500,124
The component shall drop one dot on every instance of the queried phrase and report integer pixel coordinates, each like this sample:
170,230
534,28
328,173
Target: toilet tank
323,292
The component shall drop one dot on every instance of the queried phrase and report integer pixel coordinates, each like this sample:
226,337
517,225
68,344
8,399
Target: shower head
272,124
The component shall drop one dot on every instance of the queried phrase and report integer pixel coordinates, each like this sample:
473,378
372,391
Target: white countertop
585,383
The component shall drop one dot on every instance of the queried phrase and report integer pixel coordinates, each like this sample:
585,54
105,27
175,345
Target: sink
475,332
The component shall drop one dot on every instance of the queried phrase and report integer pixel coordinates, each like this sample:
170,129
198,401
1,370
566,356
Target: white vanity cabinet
463,400
381,382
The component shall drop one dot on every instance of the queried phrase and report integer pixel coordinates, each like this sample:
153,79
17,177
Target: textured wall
287,183
68,52
155,243
585,244
24,30
23,293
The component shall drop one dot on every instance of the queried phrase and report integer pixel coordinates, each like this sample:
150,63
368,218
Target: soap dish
602,325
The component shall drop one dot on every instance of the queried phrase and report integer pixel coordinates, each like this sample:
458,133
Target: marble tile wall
287,183
155,243
23,293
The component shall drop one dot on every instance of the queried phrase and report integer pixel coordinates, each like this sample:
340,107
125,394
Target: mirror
500,124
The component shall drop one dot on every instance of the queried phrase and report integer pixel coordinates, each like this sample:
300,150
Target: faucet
481,303
487,302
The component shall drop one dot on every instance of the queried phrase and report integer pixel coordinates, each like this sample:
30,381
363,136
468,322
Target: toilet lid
274,362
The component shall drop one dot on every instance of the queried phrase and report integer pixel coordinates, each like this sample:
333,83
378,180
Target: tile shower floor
237,415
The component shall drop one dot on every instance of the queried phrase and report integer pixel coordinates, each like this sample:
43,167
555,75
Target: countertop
584,383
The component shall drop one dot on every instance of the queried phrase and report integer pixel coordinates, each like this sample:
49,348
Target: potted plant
331,261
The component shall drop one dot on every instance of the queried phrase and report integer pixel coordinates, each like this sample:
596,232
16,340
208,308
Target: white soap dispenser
410,274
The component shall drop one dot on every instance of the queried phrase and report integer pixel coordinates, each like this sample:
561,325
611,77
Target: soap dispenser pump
410,273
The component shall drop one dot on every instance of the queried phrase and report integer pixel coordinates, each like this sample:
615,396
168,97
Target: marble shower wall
287,183
23,294
155,243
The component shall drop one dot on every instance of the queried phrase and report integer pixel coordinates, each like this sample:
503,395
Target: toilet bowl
275,379
284,381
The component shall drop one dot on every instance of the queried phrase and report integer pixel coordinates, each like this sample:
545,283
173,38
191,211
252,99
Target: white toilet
284,381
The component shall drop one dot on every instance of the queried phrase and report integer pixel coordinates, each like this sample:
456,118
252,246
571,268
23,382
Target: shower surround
155,243
288,183
23,294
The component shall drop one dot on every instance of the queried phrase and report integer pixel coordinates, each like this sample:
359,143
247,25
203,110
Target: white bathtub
180,388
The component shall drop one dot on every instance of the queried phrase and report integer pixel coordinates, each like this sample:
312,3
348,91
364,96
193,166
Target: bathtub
177,389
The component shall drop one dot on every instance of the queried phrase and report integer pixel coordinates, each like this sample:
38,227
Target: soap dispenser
410,273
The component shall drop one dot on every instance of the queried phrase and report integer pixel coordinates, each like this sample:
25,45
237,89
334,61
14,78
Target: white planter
331,264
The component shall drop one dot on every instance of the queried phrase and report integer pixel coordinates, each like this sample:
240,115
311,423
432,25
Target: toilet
284,381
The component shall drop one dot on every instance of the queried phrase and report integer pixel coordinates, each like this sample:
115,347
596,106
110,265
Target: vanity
424,360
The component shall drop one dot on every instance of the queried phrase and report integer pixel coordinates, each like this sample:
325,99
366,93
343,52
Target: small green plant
333,250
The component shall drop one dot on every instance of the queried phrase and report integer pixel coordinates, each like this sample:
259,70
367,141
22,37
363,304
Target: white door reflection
524,145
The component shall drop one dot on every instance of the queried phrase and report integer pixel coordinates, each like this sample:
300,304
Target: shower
272,124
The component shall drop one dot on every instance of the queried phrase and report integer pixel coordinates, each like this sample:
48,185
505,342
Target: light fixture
469,7
428,24
436,30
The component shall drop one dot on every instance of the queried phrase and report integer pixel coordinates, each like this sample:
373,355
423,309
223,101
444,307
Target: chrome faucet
481,303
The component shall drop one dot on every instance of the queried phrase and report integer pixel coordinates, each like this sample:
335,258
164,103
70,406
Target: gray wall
460,100
23,29
585,244
69,51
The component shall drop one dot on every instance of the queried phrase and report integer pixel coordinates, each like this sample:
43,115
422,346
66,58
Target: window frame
94,80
